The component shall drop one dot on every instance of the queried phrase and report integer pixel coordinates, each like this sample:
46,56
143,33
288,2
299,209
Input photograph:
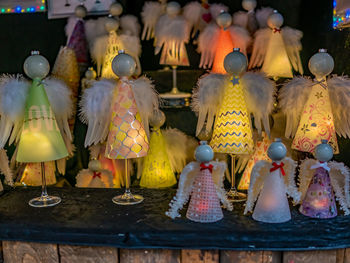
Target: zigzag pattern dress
232,131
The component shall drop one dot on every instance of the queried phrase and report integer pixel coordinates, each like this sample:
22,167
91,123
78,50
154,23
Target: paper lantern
157,172
260,153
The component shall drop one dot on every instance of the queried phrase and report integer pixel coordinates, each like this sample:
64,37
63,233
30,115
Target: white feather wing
261,40
240,38
305,176
95,108
13,94
219,169
340,179
130,25
207,45
259,173
339,94
207,97
98,51
184,190
240,18
259,94
150,14
292,40
289,179
146,98
292,98
192,13
95,28
262,15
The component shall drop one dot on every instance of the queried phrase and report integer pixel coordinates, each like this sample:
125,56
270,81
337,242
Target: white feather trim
130,25
151,11
5,168
192,13
289,179
207,97
292,98
240,18
262,15
216,9
94,151
98,52
219,169
95,28
305,176
132,46
85,179
207,45
261,40
13,94
146,98
339,94
259,94
240,38
291,38
95,107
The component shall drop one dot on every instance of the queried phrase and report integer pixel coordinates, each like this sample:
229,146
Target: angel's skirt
276,62
78,43
232,132
157,172
319,201
316,122
174,57
127,137
112,50
32,174
272,205
224,47
204,205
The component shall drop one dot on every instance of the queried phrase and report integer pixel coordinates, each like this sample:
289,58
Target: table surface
88,217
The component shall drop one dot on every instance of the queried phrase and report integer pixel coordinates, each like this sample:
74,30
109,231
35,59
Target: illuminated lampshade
316,122
113,46
32,174
172,59
40,140
225,46
260,153
127,137
157,172
232,132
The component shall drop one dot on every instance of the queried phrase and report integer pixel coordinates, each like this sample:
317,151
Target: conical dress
316,122
127,137
225,46
232,132
157,172
204,205
113,47
319,201
272,205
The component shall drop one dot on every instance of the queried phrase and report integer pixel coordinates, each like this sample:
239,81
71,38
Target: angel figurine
218,39
202,181
118,112
270,183
277,49
316,109
322,183
167,155
95,176
151,12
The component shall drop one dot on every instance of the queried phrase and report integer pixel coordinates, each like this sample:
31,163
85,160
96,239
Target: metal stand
127,198
44,200
233,194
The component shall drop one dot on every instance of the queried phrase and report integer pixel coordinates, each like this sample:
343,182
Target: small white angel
316,109
277,49
94,176
200,15
252,19
167,155
219,39
271,183
151,12
171,35
322,183
203,182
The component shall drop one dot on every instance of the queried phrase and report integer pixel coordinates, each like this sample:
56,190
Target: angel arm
259,94
146,98
95,107
289,179
207,45
305,176
340,180
261,39
291,38
339,93
292,98
206,98
184,189
151,11
13,94
218,174
259,172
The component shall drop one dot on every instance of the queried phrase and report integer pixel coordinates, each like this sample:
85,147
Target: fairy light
18,9
340,18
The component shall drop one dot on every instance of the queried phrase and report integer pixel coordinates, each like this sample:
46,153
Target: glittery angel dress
127,137
204,205
319,201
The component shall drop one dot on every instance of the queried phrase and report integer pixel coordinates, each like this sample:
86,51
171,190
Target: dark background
19,34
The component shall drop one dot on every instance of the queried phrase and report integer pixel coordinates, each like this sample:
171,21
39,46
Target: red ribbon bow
275,30
96,174
278,166
204,167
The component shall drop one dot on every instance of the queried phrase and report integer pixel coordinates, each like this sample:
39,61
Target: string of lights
30,7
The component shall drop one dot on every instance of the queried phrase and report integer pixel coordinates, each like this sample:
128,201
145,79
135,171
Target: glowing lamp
225,46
